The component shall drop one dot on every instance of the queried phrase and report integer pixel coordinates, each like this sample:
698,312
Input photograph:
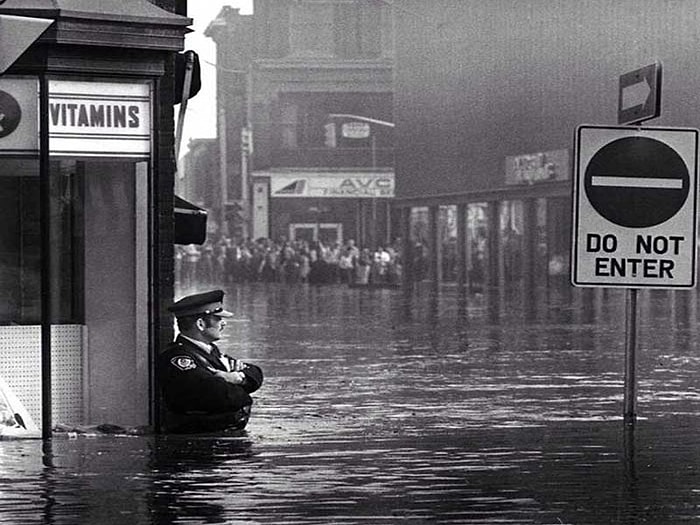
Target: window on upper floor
311,28
337,28
288,124
358,29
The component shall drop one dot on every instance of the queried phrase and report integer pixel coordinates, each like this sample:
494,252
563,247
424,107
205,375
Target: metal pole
245,145
630,397
375,240
247,177
45,229
189,66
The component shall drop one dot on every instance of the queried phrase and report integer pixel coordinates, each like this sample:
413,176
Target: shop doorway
99,243
327,233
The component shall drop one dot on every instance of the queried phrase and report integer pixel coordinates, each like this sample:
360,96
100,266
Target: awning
101,23
17,33
190,222
133,11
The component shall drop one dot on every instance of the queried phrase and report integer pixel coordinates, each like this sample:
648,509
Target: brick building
304,91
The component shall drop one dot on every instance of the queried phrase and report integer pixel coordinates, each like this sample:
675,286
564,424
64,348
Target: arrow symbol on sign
2,117
635,94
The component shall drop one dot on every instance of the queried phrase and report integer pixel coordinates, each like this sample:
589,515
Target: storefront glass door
327,233
99,244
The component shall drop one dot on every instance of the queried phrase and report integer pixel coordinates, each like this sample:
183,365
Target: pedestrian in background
204,390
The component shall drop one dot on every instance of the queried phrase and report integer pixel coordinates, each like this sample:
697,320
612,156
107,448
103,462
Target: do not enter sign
634,205
637,182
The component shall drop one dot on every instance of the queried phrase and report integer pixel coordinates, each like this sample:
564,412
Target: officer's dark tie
217,354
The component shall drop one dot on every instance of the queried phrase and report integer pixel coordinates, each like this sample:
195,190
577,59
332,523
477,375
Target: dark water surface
391,407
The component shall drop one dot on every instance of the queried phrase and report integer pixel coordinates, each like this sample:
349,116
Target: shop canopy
190,222
88,22
115,10
17,33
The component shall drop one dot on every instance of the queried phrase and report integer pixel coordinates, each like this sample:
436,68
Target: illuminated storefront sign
538,167
107,119
352,185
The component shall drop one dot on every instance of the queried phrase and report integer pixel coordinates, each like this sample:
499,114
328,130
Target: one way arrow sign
640,95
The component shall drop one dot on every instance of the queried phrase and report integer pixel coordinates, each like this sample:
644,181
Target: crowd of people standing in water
264,260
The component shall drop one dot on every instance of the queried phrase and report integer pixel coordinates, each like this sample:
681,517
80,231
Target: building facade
193,181
306,119
87,169
487,99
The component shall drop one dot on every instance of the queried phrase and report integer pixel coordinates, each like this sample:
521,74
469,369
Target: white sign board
355,130
105,119
634,207
349,185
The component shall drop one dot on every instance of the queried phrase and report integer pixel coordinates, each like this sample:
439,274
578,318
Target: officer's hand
235,378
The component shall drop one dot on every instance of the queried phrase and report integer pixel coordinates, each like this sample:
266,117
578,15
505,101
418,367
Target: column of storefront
406,246
435,257
530,272
493,268
462,243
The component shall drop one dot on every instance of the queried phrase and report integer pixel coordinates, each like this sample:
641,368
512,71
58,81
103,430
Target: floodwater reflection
421,406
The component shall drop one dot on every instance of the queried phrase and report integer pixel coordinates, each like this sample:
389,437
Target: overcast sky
200,119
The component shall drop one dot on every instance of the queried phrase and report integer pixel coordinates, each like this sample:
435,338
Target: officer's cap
207,303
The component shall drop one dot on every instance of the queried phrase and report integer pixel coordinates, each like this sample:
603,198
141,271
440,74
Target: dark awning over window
190,222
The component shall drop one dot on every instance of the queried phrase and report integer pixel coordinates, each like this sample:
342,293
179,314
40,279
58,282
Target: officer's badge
184,362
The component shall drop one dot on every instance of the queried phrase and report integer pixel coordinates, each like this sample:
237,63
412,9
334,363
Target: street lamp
373,149
363,119
369,120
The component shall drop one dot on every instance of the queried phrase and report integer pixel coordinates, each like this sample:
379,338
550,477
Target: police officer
203,389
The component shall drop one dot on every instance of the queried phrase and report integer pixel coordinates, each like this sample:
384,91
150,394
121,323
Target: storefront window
419,229
477,245
558,240
312,28
512,246
95,219
540,262
67,241
20,265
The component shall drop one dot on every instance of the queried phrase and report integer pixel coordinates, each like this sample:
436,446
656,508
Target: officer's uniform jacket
190,386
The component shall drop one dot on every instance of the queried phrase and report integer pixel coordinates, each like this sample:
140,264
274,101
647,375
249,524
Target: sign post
634,222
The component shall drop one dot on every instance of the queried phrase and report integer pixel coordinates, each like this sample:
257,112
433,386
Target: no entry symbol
637,182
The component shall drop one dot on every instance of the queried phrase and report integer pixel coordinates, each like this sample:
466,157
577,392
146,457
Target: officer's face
213,326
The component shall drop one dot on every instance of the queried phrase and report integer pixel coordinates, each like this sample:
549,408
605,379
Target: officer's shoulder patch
183,362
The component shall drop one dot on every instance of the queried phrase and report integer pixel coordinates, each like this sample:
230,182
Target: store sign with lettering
19,100
538,167
332,185
107,119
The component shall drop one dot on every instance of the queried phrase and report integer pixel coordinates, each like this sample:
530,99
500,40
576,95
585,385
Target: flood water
386,406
